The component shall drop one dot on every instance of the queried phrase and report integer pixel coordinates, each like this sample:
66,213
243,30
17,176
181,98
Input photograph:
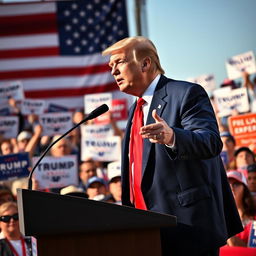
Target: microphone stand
100,110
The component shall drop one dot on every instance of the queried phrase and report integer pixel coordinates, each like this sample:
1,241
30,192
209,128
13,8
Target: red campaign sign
119,109
243,128
119,112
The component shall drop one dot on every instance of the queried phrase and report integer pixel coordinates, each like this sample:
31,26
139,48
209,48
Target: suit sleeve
199,136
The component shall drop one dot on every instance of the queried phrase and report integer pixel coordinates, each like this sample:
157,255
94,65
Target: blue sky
195,37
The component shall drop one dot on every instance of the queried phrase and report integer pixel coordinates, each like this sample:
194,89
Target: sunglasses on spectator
7,218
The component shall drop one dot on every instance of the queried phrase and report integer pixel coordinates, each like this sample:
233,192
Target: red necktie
136,151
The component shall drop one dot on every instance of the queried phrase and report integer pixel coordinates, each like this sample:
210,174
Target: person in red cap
244,203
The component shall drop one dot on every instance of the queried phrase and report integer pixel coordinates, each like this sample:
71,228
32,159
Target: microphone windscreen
98,111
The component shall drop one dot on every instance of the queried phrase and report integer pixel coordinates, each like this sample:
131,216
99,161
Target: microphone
95,113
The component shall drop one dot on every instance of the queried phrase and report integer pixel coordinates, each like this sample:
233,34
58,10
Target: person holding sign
170,160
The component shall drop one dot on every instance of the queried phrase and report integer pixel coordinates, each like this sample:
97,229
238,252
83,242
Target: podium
73,226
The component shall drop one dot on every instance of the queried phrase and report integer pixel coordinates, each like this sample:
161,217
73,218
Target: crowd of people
102,180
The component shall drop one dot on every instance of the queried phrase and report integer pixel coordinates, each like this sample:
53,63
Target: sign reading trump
240,63
14,166
106,150
55,123
56,172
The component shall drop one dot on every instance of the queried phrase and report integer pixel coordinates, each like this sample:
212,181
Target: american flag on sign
54,48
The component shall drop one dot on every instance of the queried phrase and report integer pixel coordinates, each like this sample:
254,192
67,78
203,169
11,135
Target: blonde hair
6,206
142,47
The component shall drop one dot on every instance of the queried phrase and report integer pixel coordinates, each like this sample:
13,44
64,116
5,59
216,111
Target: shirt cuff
173,145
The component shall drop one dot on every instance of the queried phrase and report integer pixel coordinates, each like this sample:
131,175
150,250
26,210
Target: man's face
243,159
87,170
95,189
6,148
228,144
127,73
61,148
251,179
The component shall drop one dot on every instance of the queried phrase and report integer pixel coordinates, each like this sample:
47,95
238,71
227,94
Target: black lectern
66,225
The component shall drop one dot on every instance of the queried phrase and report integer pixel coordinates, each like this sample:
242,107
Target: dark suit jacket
189,182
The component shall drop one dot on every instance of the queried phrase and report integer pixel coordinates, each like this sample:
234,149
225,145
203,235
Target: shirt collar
148,94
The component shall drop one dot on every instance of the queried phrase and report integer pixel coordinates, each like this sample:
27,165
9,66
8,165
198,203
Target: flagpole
141,17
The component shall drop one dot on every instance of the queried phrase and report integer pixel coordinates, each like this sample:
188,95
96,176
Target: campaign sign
56,123
92,101
228,100
56,172
4,111
240,63
12,90
14,166
119,109
243,128
105,150
31,106
252,235
96,131
9,126
206,81
56,108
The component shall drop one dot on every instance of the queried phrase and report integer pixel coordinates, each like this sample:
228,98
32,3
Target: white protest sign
240,63
96,131
9,126
12,90
228,100
206,81
106,150
56,172
31,106
56,123
92,101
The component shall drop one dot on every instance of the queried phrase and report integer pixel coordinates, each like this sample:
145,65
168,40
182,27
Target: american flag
54,48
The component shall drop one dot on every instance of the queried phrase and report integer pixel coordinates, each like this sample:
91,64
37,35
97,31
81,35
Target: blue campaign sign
56,108
252,235
14,166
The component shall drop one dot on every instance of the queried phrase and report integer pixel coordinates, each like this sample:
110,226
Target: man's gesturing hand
158,132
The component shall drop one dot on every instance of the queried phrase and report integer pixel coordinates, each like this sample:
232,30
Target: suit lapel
159,104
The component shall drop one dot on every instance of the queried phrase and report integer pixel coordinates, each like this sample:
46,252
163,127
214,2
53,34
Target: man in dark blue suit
181,171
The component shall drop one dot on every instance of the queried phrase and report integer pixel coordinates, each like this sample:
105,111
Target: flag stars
77,49
76,35
89,6
84,42
97,14
82,13
119,18
68,27
108,23
90,20
66,12
110,38
69,42
75,20
83,28
91,35
74,6
91,48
